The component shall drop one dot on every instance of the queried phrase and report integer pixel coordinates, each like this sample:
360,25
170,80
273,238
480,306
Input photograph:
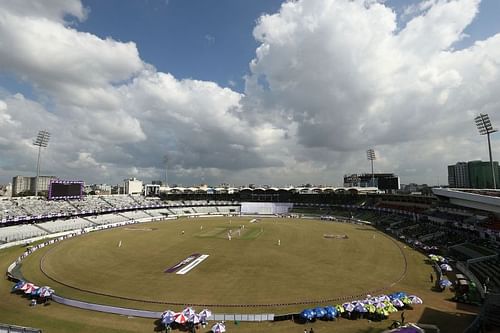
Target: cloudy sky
236,91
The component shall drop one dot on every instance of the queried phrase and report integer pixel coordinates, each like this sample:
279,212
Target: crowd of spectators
22,218
31,208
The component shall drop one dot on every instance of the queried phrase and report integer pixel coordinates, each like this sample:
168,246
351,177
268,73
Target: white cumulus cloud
330,79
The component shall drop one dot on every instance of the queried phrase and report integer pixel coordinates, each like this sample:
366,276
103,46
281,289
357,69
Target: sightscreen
65,189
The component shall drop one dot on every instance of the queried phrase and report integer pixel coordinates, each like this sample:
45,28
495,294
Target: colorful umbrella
205,314
168,318
415,299
349,307
45,292
382,298
406,300
360,307
19,285
168,313
398,303
219,328
371,308
446,267
189,311
319,312
181,318
30,289
194,318
26,286
399,295
445,283
308,314
331,312
391,308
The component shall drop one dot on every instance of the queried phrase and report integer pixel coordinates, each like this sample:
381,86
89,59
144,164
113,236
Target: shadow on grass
174,327
159,327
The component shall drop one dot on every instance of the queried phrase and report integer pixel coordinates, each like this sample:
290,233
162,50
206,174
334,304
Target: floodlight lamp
484,125
42,139
370,154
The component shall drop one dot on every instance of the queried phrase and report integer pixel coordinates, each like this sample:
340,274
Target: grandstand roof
482,199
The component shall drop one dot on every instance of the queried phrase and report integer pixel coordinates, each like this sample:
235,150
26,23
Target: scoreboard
65,189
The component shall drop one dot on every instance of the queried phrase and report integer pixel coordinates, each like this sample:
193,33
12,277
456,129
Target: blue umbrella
320,312
168,317
445,283
19,285
331,312
308,314
360,307
398,295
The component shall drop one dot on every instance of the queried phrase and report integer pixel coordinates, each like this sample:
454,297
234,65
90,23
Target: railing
153,314
471,261
5,328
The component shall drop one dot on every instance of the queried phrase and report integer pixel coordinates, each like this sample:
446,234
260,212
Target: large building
458,175
26,185
383,181
472,174
133,186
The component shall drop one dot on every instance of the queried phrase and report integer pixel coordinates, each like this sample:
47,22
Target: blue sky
201,39
240,92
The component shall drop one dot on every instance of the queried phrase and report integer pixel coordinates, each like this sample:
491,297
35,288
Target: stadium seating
65,225
488,270
19,232
28,217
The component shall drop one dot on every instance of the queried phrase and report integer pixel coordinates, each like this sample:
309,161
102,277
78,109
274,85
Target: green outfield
126,267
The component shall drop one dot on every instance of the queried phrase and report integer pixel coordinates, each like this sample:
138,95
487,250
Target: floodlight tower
41,141
165,160
370,154
484,126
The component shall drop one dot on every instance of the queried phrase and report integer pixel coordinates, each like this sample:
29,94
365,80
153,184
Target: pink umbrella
181,318
30,289
26,286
